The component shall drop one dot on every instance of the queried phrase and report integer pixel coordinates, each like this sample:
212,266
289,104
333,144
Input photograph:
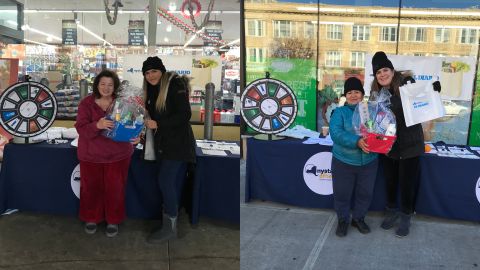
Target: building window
416,34
388,34
283,29
255,28
418,54
310,30
468,36
333,59
442,35
357,59
334,31
256,55
361,32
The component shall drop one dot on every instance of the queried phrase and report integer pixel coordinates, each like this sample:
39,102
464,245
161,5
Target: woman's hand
135,140
104,123
363,145
151,124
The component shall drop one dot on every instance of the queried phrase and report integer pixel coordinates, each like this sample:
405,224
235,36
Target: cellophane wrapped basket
127,112
374,121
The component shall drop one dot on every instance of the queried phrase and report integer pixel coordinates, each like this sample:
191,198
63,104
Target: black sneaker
112,230
90,227
342,228
361,225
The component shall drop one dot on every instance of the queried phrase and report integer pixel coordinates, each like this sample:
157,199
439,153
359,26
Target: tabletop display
27,109
269,106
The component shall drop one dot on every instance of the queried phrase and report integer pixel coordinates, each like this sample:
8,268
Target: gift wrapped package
374,121
127,114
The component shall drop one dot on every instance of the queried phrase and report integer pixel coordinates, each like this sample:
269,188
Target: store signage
232,74
69,32
136,33
207,69
213,29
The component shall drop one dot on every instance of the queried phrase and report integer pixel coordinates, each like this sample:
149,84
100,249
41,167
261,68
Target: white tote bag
149,151
420,103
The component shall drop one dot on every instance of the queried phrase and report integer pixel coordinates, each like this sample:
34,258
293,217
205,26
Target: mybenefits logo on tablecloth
75,181
317,173
477,189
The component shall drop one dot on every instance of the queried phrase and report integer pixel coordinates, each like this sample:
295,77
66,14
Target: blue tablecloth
37,178
275,173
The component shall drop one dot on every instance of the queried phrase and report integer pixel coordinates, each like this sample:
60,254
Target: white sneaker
112,230
90,227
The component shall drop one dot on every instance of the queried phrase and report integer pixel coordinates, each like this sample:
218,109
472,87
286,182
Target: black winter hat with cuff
379,61
153,62
351,84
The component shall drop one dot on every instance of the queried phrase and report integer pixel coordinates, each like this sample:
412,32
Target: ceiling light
38,43
93,34
169,28
172,6
166,39
231,43
27,27
49,39
193,37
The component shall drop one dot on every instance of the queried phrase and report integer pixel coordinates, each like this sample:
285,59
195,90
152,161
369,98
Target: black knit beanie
379,61
153,62
353,83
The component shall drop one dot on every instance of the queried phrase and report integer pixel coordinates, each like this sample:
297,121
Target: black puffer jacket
410,142
174,139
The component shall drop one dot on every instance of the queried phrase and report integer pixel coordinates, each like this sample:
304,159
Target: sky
394,3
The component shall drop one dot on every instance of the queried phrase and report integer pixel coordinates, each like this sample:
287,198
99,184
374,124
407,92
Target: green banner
299,75
474,139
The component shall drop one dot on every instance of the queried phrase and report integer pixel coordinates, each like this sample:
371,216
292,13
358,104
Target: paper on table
443,152
462,152
235,150
214,152
322,141
74,142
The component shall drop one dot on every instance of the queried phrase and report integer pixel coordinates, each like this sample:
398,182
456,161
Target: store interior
65,44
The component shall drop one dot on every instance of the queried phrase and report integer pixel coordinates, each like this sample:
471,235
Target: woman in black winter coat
167,103
402,164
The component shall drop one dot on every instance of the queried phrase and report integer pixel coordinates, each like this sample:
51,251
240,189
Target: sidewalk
37,242
275,236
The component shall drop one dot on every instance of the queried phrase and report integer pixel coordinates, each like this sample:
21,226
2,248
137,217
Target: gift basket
127,112
374,121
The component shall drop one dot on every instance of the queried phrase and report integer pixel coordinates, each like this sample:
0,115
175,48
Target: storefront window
287,52
445,42
350,33
74,43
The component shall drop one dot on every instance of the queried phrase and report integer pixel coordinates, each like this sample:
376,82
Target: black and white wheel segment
269,106
27,109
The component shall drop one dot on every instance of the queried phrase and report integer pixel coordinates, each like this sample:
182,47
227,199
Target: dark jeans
401,176
349,180
171,175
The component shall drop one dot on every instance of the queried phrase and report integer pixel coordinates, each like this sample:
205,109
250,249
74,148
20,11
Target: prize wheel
269,106
27,109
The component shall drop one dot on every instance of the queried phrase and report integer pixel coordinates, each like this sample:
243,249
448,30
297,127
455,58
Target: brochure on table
218,148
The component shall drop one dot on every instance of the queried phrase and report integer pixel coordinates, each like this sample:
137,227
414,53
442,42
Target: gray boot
404,227
167,232
391,216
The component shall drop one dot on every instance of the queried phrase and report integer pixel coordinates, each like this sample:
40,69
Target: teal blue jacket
345,140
